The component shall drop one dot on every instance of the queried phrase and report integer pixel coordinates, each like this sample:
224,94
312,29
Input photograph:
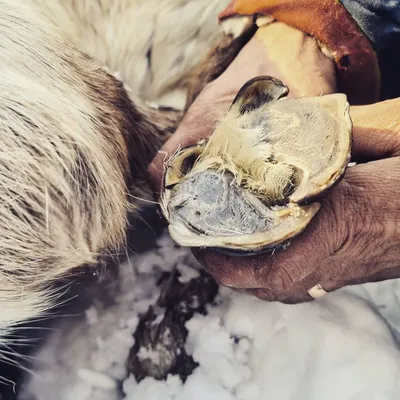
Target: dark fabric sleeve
379,19
363,37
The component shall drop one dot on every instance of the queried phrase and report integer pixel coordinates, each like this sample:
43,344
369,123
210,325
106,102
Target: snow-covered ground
340,347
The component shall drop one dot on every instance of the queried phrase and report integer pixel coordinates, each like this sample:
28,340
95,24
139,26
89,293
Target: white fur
49,117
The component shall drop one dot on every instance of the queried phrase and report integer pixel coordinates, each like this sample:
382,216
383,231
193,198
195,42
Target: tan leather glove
337,32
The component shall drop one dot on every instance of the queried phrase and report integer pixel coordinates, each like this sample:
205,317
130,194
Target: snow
187,273
97,379
342,346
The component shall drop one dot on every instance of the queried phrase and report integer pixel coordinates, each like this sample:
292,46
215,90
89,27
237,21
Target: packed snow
343,346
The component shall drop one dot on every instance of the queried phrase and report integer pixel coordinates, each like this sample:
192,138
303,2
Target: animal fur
75,141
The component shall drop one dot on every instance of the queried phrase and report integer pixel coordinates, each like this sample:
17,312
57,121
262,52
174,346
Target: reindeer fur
74,140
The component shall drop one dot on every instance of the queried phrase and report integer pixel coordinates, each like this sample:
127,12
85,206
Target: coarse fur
75,141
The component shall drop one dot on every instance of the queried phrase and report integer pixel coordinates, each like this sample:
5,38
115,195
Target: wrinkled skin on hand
355,237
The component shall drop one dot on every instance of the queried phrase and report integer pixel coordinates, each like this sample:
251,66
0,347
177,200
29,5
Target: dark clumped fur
75,146
218,59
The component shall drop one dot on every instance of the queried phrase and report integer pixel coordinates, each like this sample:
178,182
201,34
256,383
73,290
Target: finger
305,290
383,275
286,298
376,130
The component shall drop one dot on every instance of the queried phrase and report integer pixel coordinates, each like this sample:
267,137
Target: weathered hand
276,50
354,238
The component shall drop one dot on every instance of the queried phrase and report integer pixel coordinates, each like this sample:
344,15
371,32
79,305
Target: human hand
276,50
355,236
325,253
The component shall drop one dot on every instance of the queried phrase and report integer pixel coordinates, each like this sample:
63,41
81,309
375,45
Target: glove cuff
329,22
